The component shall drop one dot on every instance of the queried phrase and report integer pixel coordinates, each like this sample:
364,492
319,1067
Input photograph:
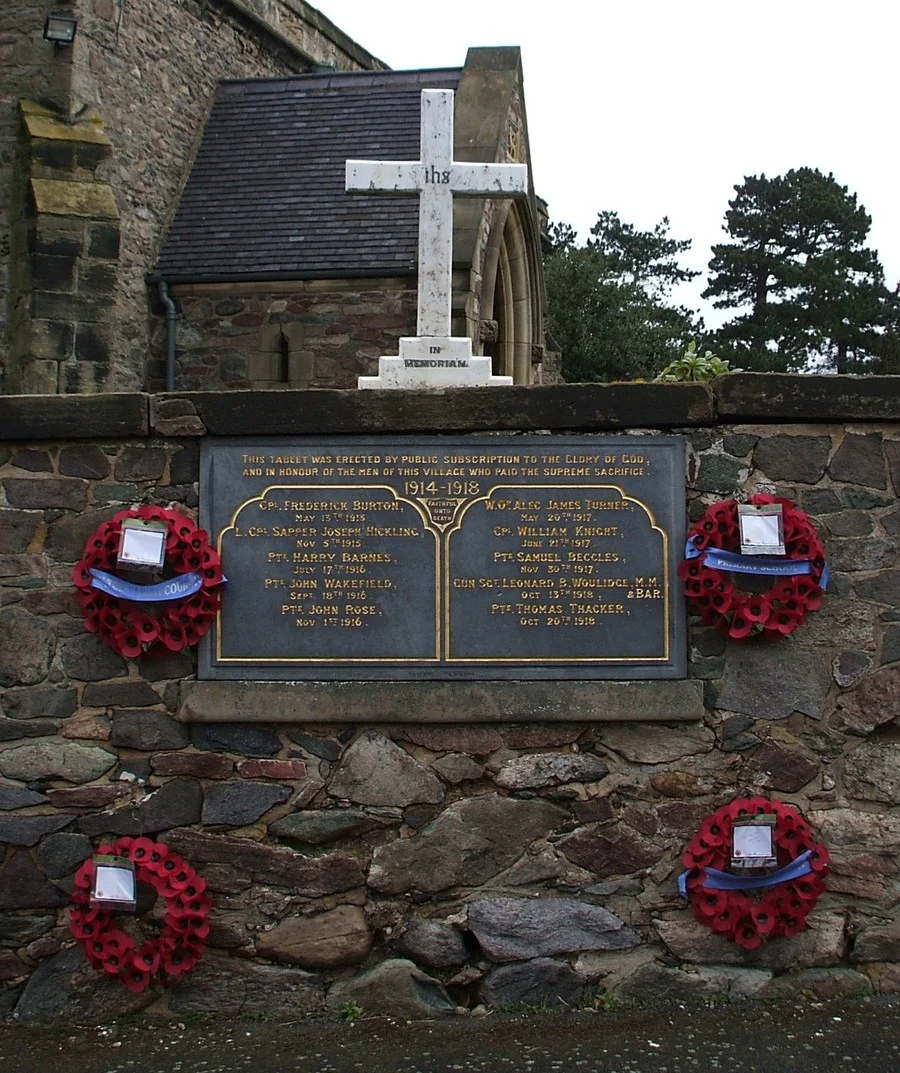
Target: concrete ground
749,1037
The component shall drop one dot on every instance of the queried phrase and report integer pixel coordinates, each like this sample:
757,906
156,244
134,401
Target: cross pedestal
434,358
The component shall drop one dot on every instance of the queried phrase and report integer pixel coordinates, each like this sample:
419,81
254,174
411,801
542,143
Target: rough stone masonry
417,867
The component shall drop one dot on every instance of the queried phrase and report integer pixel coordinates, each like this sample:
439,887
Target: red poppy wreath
182,933
135,619
712,559
748,910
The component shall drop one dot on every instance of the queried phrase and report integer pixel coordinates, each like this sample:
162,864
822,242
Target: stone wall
319,334
420,866
149,70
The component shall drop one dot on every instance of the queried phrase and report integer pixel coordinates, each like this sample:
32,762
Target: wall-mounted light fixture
60,29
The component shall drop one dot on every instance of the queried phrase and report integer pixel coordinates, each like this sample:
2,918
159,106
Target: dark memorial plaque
458,557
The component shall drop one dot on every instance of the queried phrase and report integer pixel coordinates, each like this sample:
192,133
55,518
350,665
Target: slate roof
265,199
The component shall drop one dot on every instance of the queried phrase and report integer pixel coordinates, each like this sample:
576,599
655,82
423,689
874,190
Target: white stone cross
435,178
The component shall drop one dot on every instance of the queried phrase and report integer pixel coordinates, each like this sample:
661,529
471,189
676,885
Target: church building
180,220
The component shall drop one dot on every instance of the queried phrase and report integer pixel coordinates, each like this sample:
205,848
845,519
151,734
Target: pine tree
811,294
607,300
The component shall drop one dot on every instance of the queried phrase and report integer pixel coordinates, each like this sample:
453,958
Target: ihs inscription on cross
436,178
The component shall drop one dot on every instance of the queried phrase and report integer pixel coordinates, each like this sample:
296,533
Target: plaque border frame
611,668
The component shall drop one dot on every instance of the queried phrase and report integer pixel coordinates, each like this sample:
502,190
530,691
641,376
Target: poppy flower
146,958
712,902
140,849
82,575
85,874
784,589
128,643
86,913
814,601
114,961
194,889
195,928
193,606
90,601
194,904
747,935
697,857
151,512
701,540
184,530
708,525
180,878
787,814
793,925
741,627
116,939
175,559
84,929
154,860
694,876
172,636
136,979
738,808
789,839
783,622
721,601
763,918
177,616
713,833
144,625
178,961
818,859
757,608
212,575
724,921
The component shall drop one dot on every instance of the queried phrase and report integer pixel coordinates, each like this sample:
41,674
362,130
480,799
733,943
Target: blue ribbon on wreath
175,588
719,559
717,880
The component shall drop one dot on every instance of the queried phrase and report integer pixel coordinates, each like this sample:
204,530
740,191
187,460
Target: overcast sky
654,108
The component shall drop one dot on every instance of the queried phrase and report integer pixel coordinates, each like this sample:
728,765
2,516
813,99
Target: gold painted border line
436,535
456,527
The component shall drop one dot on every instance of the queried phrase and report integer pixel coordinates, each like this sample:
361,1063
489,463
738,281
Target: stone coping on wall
73,417
778,397
755,397
674,701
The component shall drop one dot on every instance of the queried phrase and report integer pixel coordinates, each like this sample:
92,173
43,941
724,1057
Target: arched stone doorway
511,296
